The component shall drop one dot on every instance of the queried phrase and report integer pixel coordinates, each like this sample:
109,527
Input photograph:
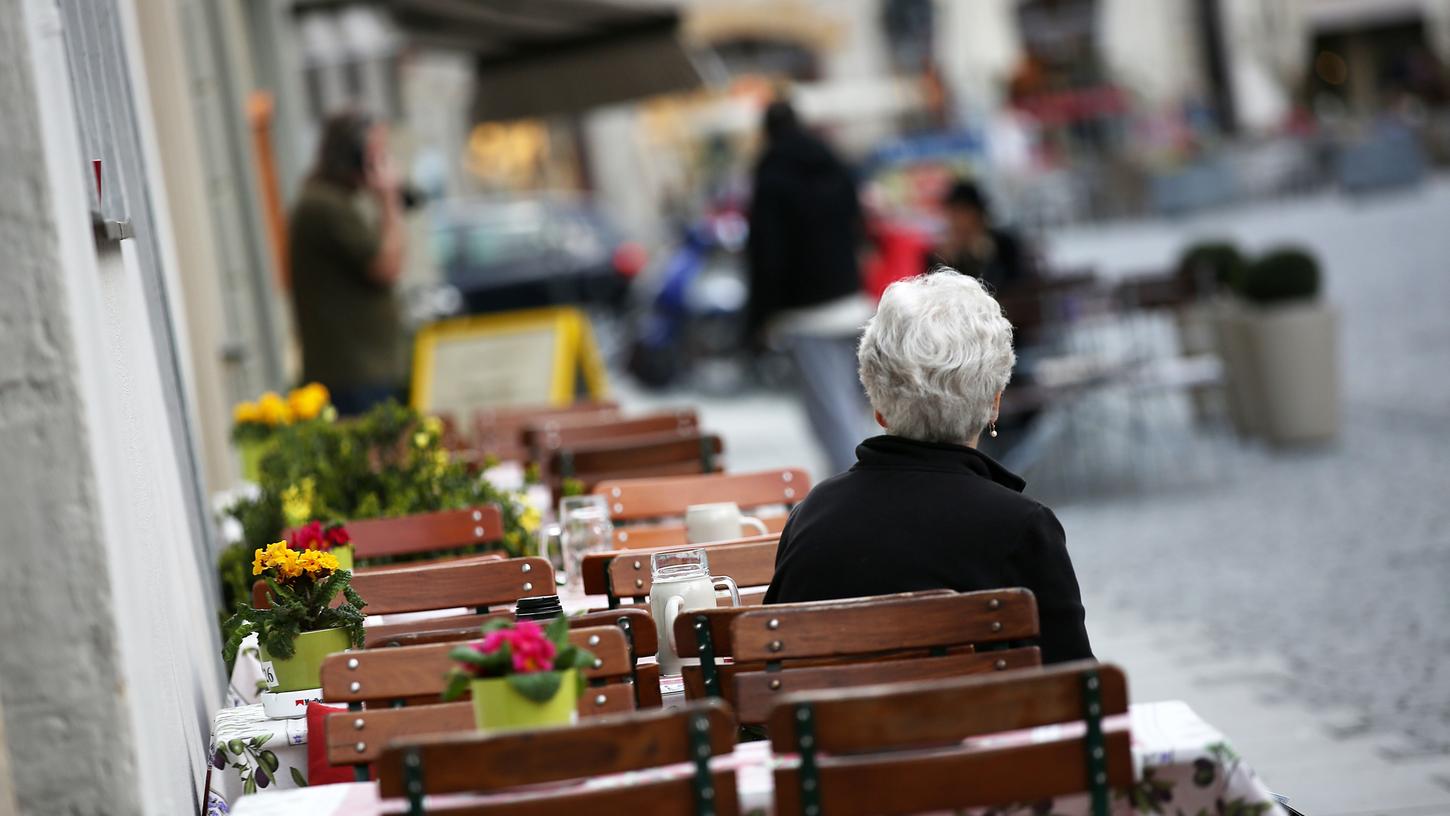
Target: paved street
1300,600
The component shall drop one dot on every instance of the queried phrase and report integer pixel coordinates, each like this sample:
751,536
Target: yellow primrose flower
273,409
297,501
259,561
308,401
433,425
420,440
245,412
530,518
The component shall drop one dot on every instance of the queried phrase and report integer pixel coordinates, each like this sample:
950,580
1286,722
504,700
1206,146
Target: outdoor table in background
1181,763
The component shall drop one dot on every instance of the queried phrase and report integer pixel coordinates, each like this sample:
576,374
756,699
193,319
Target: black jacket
805,224
910,516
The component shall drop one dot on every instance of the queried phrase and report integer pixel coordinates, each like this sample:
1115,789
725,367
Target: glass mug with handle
584,526
682,581
720,521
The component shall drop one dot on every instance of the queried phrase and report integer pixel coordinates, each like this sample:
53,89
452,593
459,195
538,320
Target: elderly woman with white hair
922,508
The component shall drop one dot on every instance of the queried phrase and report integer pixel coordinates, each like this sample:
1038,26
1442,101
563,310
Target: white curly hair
935,356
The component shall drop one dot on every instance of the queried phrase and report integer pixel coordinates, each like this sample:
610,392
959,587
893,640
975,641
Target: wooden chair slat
594,565
641,626
781,633
460,763
672,535
641,457
663,796
442,586
415,671
750,564
887,783
720,620
421,633
916,715
358,737
634,499
550,434
426,532
756,692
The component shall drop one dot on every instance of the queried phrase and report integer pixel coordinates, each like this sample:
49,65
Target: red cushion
319,772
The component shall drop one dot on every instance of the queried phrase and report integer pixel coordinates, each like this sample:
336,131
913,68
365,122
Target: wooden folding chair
647,512
393,693
779,649
499,432
907,747
477,585
545,435
496,766
424,535
639,457
828,644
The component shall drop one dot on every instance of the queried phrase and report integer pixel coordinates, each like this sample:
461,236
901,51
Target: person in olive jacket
922,508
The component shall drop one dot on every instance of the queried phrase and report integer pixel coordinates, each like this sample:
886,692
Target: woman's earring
993,431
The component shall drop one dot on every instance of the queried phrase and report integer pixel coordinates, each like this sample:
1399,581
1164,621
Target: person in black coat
805,283
922,508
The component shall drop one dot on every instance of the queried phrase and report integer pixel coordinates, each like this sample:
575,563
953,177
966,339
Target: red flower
337,536
309,537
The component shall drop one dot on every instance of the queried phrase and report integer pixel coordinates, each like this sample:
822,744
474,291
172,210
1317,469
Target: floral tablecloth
251,753
1183,767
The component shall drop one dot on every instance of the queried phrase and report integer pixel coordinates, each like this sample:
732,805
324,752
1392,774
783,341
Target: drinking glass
584,527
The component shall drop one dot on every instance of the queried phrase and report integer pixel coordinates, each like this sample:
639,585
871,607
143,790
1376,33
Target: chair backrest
381,678
780,649
827,644
646,512
425,533
547,434
638,457
497,763
750,562
474,584
640,632
908,747
499,432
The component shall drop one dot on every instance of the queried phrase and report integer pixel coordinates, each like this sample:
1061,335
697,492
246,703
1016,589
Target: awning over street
544,57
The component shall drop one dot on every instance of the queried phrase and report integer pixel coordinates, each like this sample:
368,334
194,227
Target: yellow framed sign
531,357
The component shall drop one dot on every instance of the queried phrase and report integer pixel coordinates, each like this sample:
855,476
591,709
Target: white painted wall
110,672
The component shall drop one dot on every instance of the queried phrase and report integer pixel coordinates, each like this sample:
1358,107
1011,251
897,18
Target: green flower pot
498,706
344,556
303,670
251,452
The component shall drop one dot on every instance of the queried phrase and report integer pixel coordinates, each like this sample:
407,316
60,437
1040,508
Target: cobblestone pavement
1336,561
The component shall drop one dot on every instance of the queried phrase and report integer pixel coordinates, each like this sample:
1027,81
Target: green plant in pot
389,462
1210,266
520,675
301,626
1289,343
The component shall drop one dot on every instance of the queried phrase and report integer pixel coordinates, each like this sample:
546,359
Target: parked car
519,252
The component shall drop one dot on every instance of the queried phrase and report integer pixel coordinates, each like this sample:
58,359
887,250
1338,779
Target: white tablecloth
1181,763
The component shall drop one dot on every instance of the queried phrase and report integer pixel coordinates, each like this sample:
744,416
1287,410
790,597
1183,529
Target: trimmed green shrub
1280,275
1210,265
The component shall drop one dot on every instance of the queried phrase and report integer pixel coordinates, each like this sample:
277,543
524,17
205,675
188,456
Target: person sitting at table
922,508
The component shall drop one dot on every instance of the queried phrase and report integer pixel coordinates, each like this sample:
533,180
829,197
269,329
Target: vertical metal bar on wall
110,131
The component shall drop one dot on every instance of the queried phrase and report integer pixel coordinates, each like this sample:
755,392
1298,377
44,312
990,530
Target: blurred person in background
974,246
346,254
805,281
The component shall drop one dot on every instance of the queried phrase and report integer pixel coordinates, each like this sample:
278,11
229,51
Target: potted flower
301,627
331,538
521,675
253,423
